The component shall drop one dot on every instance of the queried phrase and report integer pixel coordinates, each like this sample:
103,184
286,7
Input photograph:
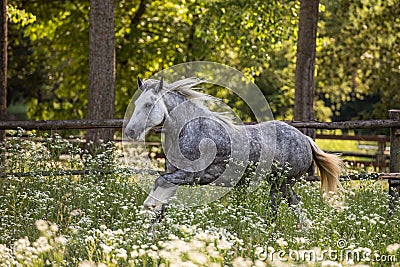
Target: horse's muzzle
130,133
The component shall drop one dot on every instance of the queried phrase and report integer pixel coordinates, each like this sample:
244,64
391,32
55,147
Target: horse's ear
139,83
160,85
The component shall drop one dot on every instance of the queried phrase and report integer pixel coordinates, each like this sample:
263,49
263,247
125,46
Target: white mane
186,87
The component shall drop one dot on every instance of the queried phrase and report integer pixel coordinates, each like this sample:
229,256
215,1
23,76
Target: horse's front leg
165,188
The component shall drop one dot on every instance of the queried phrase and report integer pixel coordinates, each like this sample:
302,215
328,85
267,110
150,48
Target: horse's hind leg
277,192
295,204
292,198
281,191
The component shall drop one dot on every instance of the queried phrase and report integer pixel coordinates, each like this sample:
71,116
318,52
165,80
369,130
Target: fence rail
61,124
118,123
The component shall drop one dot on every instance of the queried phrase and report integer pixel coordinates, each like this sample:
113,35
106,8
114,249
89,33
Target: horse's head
150,109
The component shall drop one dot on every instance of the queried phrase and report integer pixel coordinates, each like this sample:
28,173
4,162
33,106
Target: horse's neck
172,100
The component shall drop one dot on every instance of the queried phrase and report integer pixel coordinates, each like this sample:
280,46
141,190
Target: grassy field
96,219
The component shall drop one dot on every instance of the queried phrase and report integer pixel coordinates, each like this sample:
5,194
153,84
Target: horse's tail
329,167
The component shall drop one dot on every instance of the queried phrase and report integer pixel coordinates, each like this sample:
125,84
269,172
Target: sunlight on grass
339,145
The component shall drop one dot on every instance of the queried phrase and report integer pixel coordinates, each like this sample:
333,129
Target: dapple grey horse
157,103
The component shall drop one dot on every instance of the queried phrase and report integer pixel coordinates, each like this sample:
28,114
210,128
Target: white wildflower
205,236
393,248
224,244
121,253
87,264
119,232
196,244
42,225
153,254
106,249
259,263
242,262
21,244
134,254
61,240
75,213
197,257
281,242
6,256
212,251
42,245
167,255
54,228
183,264
186,229
178,244
301,240
141,252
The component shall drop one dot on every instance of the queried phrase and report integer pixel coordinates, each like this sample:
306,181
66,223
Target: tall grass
96,219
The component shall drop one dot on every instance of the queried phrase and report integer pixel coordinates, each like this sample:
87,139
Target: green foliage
157,36
358,44
357,58
51,74
20,16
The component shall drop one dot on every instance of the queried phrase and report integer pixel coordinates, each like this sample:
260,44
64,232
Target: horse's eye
148,105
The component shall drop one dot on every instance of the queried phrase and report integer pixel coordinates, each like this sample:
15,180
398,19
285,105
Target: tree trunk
101,95
3,65
305,63
394,185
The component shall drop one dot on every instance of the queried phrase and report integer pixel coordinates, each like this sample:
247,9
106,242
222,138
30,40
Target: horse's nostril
129,132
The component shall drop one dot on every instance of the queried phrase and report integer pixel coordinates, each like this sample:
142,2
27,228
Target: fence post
394,185
380,155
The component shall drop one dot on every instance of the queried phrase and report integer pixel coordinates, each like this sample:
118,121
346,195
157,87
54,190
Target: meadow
50,217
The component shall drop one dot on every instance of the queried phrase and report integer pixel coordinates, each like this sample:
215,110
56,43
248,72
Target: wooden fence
117,123
393,123
379,160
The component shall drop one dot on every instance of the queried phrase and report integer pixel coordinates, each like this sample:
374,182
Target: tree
3,64
305,63
357,48
101,95
47,71
149,36
358,60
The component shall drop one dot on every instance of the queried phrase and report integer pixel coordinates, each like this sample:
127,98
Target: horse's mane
187,88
